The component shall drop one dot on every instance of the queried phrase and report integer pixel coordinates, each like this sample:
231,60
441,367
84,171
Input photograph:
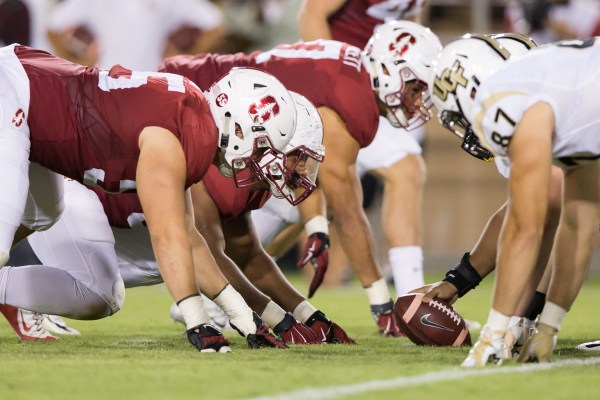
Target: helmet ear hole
238,131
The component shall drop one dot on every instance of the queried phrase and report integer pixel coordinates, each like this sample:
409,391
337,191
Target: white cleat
488,349
27,324
589,346
57,325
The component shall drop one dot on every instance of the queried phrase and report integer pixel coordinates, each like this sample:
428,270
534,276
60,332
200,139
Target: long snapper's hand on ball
316,251
439,290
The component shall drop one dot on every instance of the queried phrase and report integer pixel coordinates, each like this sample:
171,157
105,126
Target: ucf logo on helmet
449,80
263,110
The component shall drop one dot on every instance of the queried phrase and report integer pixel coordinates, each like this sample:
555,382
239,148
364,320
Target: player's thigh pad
389,146
273,217
81,242
137,263
45,199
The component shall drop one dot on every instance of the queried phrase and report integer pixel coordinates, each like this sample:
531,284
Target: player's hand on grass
316,251
207,339
262,336
440,290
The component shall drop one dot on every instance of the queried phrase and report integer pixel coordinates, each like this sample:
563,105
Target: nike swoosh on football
425,321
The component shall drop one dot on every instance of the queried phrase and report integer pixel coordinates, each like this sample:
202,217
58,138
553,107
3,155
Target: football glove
208,339
316,251
293,332
262,337
539,347
488,349
326,330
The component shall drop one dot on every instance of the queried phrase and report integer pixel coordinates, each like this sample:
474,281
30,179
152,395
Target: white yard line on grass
331,392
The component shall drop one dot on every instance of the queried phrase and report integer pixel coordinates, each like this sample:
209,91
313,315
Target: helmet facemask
410,106
456,123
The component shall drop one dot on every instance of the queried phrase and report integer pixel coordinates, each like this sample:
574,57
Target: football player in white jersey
533,110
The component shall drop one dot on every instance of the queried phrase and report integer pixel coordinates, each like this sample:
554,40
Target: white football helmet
457,73
398,58
293,175
255,116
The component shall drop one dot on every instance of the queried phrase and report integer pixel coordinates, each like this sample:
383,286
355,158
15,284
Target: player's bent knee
45,221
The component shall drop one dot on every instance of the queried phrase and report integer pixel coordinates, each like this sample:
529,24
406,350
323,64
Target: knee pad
118,296
38,218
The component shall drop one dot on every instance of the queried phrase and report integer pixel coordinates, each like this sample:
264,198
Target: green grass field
140,354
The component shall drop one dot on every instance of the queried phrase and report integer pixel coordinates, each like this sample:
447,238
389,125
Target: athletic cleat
386,320
207,339
539,347
589,346
488,349
291,331
326,330
262,337
28,325
56,324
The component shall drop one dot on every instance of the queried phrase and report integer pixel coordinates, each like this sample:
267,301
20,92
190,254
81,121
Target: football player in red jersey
217,201
353,21
395,156
122,131
332,76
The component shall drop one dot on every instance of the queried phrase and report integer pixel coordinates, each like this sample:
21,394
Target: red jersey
326,72
355,21
125,211
85,123
231,200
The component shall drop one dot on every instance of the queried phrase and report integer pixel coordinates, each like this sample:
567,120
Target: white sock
193,311
272,314
407,268
237,310
497,321
552,315
378,292
303,311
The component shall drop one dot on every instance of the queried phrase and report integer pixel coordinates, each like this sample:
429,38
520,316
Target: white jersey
569,82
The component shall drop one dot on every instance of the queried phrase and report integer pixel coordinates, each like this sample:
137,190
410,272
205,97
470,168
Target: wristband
464,277
317,224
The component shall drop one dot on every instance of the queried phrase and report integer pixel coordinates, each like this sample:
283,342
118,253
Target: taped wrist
464,277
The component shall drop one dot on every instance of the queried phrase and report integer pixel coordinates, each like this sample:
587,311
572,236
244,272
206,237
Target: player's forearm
518,250
209,277
174,259
355,235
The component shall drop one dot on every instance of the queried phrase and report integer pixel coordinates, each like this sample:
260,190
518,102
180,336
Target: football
430,324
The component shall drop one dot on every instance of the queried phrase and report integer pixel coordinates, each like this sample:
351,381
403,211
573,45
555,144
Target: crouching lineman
522,109
124,131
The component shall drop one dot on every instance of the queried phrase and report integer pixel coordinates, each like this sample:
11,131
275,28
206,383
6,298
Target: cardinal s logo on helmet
263,110
402,43
222,100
